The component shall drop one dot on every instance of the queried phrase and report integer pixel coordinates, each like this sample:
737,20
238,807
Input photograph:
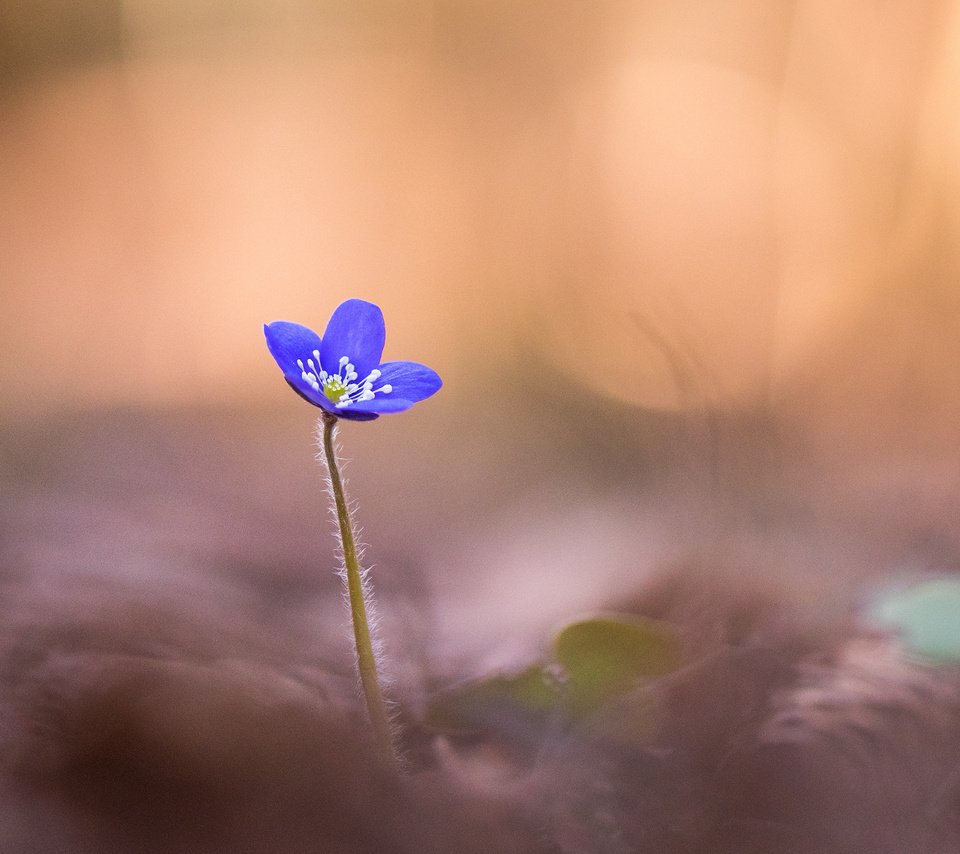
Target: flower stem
366,663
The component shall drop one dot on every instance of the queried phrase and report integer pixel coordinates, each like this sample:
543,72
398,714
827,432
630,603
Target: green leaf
604,657
515,704
926,616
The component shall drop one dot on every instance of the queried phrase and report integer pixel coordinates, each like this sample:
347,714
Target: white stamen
342,387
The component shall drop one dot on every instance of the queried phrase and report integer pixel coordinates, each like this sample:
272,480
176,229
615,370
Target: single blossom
342,372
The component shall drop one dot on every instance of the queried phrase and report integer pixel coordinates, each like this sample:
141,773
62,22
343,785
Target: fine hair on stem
358,592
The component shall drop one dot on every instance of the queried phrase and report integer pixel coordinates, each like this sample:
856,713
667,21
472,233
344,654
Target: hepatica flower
341,372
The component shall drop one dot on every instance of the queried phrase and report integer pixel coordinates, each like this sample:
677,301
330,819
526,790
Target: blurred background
689,271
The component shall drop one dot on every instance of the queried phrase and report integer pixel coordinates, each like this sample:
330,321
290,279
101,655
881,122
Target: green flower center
334,389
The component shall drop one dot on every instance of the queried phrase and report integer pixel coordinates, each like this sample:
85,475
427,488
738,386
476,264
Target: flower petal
356,330
381,404
410,380
348,415
289,342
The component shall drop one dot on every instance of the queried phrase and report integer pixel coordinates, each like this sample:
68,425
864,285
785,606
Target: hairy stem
366,662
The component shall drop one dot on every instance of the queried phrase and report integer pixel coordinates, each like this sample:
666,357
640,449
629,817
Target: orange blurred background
670,202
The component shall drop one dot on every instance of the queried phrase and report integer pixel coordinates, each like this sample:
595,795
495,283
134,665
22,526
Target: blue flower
341,372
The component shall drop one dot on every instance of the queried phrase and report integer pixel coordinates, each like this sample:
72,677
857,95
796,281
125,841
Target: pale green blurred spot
926,616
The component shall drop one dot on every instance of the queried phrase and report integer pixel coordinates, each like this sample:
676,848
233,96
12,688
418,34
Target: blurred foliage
597,674
604,657
513,704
